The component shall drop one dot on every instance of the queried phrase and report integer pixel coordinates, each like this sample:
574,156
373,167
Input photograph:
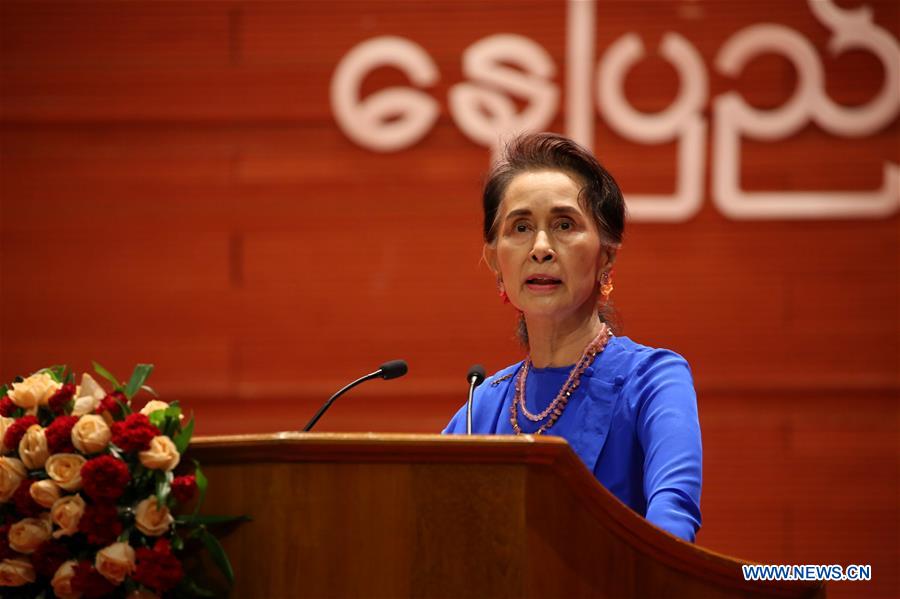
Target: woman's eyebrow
518,212
564,210
555,210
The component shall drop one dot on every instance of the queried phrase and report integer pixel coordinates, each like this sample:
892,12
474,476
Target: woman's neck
561,343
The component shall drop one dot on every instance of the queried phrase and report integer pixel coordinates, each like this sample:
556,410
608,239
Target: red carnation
5,550
48,557
25,505
134,433
59,434
100,522
17,429
105,477
57,402
7,407
110,404
184,488
158,570
162,545
89,582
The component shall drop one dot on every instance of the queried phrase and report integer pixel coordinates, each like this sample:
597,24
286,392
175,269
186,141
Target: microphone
475,378
388,370
391,370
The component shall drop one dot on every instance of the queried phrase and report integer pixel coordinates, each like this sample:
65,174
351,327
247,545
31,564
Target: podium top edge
296,446
290,437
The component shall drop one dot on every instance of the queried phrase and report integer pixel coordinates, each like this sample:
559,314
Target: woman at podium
553,222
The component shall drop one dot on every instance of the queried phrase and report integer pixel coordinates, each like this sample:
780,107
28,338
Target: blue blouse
632,421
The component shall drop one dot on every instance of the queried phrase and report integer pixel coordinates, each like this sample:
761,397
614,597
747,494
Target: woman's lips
542,284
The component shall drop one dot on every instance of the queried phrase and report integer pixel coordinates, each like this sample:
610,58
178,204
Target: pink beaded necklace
556,407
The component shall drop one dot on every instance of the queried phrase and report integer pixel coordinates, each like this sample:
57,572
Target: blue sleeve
457,425
669,433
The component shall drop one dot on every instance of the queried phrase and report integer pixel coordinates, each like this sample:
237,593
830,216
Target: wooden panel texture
388,515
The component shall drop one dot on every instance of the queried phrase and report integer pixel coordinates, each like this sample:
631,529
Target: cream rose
65,470
44,492
151,521
33,447
66,513
87,396
16,572
91,434
115,562
154,405
161,455
5,423
12,473
33,391
62,581
27,534
85,405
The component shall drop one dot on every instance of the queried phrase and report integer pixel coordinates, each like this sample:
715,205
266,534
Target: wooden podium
386,515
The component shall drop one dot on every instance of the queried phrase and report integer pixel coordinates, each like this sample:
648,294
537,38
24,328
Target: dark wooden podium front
385,515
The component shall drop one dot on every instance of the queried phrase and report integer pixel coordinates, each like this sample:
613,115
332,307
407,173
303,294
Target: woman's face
547,250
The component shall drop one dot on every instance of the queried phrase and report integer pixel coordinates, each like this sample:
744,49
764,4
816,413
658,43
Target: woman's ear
607,258
489,253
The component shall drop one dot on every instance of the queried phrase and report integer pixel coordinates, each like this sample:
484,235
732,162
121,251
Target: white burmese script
504,65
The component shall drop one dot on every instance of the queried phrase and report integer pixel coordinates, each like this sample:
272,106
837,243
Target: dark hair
600,194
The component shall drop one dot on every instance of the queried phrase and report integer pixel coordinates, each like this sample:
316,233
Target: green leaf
116,451
202,483
123,538
3,390
150,390
124,407
56,371
217,553
173,421
138,376
163,486
70,379
107,375
177,543
183,438
195,520
143,478
157,418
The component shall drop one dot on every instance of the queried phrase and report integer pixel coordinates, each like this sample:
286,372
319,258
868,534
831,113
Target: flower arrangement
89,491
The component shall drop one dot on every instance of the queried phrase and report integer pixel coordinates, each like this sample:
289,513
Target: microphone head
475,375
393,369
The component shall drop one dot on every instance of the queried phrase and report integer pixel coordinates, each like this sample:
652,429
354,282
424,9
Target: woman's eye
565,225
521,228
